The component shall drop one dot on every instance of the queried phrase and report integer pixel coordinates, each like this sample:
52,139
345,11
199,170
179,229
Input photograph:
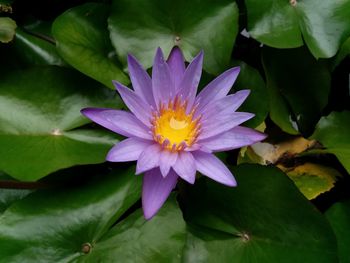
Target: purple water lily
172,132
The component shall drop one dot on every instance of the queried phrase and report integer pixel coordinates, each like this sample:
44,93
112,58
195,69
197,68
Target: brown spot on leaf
86,248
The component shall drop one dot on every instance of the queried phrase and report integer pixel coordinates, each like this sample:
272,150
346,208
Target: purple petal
166,160
140,108
189,83
185,167
162,81
217,89
155,191
226,105
149,158
141,81
121,122
127,150
217,124
233,139
211,166
177,66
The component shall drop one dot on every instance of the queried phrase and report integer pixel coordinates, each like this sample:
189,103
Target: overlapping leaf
284,24
135,240
333,132
53,225
40,119
139,27
339,218
298,86
263,219
83,41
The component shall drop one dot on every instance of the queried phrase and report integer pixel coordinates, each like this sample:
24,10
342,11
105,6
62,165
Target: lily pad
339,218
9,196
32,50
41,125
135,240
83,41
333,132
58,224
284,24
255,221
295,81
139,27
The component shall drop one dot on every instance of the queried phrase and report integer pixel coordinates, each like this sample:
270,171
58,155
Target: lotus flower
172,133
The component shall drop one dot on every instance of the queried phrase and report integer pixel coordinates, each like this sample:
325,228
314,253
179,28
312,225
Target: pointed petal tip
231,182
116,84
148,214
88,112
159,52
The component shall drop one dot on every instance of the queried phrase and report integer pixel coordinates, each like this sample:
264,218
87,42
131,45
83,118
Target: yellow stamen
173,128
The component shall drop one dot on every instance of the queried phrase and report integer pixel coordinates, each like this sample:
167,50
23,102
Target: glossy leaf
7,29
284,24
53,225
258,100
264,219
139,27
339,218
82,40
32,50
333,132
344,51
135,240
40,119
295,81
9,196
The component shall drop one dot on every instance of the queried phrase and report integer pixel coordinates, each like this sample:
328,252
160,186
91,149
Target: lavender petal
136,105
217,89
121,122
141,81
155,191
219,124
127,150
149,158
189,83
211,166
233,139
185,167
166,160
226,105
177,66
162,81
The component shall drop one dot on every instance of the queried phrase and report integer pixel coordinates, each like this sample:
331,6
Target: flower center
173,128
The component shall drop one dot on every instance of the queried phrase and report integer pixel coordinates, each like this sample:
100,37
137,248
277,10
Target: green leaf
9,196
339,218
295,81
52,225
333,132
344,51
313,179
7,29
264,219
258,101
82,40
283,24
32,50
139,27
160,239
40,121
